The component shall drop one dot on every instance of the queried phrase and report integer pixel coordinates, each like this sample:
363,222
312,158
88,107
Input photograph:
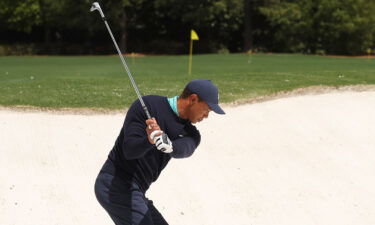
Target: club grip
146,111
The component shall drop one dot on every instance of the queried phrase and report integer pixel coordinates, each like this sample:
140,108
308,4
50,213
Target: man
145,146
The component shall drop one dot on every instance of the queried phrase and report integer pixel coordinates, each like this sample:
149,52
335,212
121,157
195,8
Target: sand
297,160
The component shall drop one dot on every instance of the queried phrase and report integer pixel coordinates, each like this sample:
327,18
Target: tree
289,24
332,26
128,13
216,21
19,15
248,25
51,15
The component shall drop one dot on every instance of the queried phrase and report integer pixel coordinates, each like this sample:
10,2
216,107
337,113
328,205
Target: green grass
101,82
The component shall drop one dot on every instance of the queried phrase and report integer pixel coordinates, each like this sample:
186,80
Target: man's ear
193,98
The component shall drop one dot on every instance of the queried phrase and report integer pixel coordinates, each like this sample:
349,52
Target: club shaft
127,70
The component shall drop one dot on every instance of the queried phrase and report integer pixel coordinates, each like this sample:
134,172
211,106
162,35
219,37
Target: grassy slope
100,81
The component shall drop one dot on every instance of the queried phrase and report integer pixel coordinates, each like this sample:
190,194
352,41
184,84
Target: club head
95,6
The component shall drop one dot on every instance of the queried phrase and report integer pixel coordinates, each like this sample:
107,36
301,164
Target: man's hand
163,143
152,128
156,136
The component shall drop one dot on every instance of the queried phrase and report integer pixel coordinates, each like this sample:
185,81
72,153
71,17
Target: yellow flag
193,35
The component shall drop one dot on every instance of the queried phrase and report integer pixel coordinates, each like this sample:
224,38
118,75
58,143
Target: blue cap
208,92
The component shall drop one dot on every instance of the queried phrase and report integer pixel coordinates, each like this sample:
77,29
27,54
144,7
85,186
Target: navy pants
125,202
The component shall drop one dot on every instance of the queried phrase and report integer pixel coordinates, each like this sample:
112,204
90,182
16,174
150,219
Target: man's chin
197,121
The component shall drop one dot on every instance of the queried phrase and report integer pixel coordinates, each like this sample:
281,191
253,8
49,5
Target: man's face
198,110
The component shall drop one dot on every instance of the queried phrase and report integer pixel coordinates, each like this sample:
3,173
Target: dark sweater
133,158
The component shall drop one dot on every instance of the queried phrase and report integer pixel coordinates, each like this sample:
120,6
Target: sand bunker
298,160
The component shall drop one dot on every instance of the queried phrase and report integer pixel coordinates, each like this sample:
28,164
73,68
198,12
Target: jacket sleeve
135,143
185,146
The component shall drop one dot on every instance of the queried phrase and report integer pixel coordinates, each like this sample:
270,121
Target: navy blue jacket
134,158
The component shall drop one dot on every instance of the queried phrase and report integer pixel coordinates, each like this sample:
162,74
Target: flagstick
193,37
190,55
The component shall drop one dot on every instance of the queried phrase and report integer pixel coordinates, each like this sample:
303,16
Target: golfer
145,146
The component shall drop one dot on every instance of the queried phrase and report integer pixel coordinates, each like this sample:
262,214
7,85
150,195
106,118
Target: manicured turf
101,82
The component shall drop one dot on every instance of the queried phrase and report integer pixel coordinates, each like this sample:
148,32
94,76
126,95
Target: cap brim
216,108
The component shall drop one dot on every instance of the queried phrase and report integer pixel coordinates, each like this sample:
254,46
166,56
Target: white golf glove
162,142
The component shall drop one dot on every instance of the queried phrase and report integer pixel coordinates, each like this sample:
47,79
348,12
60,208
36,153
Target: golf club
96,6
